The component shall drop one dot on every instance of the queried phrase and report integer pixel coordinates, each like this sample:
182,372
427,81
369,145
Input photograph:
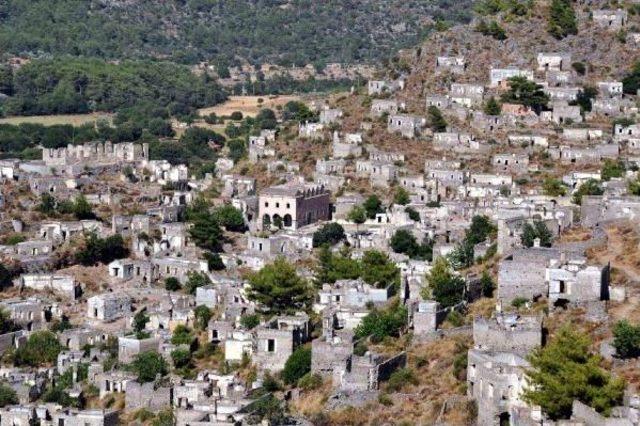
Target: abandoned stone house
364,373
377,87
345,203
379,107
626,133
330,166
507,332
108,307
566,94
581,134
379,173
446,177
163,172
151,396
9,169
412,182
610,19
31,249
332,182
563,113
77,338
611,89
438,101
347,145
331,352
268,248
559,78
28,414
516,164
282,167
553,61
130,346
425,316
330,116
351,293
576,179
500,76
497,363
238,186
452,64
612,107
449,140
496,380
490,179
561,276
130,225
65,285
491,123
113,382
511,224
582,155
96,153
597,209
385,156
466,94
311,130
31,314
276,340
294,205
573,282
528,140
408,126
176,267
258,149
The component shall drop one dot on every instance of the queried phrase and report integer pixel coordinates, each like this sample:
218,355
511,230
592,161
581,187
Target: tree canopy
626,339
536,230
565,370
148,365
41,348
330,233
278,287
526,92
444,286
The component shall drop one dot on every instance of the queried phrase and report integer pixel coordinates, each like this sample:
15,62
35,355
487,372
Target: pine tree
444,286
492,107
278,287
436,119
566,370
562,19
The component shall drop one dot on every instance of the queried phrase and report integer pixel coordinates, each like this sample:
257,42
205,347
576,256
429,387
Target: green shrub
7,395
42,348
401,378
519,302
172,284
310,381
455,318
298,364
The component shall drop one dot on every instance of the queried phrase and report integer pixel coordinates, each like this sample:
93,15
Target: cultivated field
248,105
50,120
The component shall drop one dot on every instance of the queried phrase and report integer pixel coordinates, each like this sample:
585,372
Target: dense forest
188,31
75,85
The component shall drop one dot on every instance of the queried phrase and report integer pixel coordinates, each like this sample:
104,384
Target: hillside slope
279,31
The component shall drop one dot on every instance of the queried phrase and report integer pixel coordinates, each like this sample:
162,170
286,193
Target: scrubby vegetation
221,31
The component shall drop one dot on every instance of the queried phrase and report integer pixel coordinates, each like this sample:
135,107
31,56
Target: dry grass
312,402
247,105
50,120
